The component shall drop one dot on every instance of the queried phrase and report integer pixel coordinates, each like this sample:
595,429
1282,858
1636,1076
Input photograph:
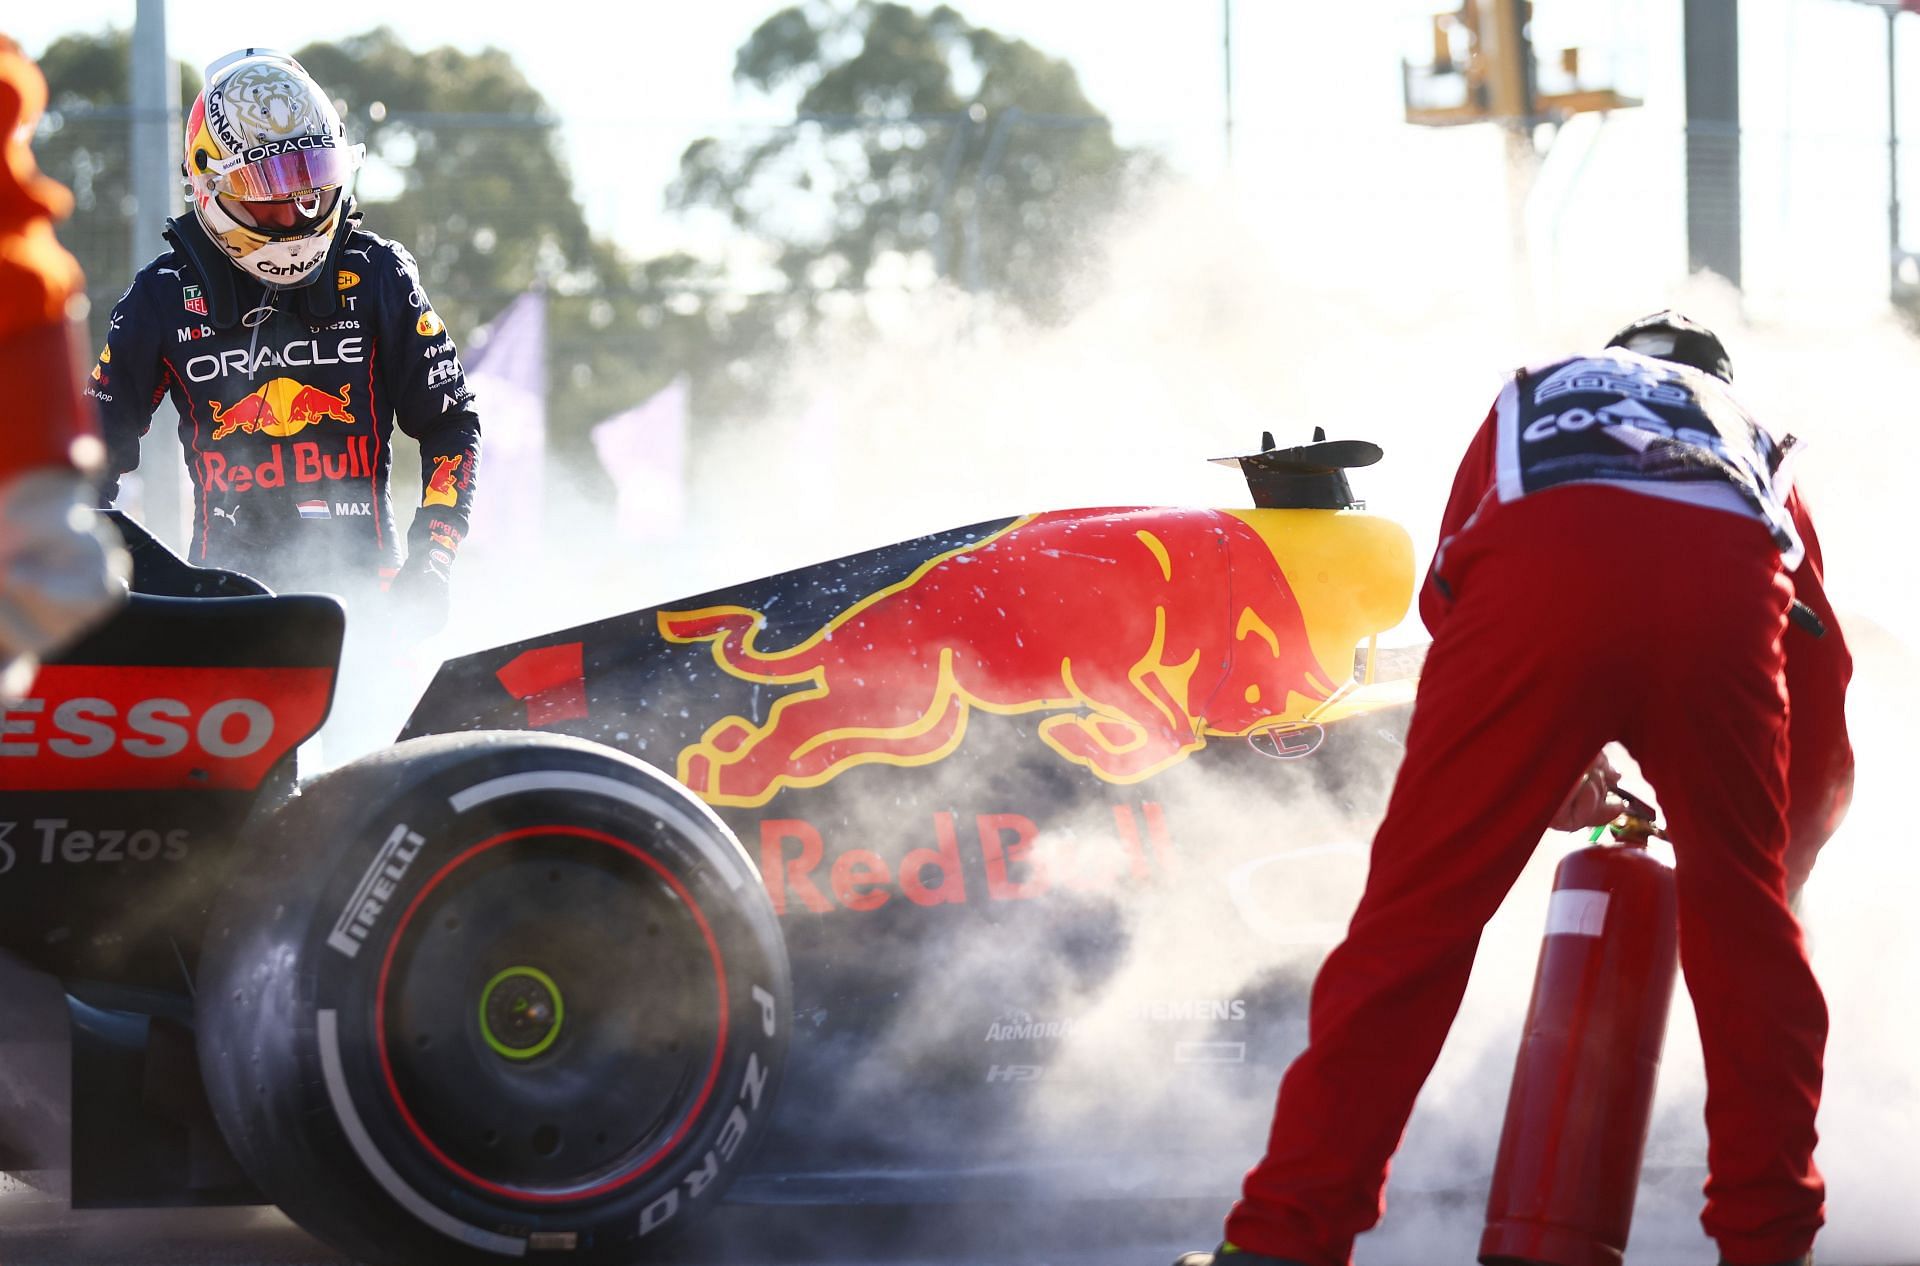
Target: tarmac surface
36,1230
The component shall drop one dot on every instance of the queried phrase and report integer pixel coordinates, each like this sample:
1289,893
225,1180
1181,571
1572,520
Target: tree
921,143
467,175
486,205
484,201
926,147
83,143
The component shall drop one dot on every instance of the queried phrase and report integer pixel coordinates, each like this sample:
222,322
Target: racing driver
57,564
291,340
1634,473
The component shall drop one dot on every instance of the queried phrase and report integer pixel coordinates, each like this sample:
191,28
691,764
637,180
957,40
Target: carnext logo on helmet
375,889
270,148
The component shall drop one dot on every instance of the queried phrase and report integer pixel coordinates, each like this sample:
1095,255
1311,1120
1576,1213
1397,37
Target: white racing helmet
268,166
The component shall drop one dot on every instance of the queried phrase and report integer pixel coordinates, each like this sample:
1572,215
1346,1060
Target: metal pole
1226,42
1893,162
989,167
154,142
1711,30
943,192
155,158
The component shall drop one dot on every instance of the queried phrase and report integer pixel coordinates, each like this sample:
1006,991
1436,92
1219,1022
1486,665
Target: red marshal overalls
1527,679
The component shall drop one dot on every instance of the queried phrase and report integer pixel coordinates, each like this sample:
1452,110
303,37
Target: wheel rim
551,1014
521,1011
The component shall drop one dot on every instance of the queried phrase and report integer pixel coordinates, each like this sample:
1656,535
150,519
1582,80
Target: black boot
1227,1255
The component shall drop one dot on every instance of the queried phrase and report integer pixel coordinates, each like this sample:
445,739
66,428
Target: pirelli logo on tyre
375,890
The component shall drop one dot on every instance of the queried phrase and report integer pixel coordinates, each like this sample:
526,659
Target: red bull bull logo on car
1139,633
283,406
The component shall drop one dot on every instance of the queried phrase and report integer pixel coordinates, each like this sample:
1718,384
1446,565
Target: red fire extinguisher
1582,1094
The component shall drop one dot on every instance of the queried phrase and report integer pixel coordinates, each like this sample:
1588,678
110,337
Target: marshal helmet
1669,336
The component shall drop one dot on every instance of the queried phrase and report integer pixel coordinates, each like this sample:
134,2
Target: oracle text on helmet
255,153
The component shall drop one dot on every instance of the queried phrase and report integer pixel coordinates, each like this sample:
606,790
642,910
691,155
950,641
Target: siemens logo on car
151,729
302,353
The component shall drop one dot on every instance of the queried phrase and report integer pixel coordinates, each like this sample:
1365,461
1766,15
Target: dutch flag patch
314,510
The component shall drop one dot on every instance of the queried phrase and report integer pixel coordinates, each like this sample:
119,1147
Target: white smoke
940,411
1206,336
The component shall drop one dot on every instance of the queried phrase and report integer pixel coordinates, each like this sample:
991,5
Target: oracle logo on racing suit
299,353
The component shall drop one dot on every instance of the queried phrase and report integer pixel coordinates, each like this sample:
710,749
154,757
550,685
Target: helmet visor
286,174
284,217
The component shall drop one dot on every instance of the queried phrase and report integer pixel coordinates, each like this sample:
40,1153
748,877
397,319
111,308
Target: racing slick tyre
493,996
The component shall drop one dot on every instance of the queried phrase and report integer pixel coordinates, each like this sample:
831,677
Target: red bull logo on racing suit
283,406
443,486
1139,633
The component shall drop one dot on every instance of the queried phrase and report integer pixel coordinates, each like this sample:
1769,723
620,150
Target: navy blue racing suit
287,402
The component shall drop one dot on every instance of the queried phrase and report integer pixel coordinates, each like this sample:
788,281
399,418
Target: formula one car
1040,818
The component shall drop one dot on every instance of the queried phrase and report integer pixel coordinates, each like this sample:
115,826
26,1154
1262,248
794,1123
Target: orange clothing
38,278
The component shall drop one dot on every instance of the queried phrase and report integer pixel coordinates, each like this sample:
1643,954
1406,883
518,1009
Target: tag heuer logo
190,298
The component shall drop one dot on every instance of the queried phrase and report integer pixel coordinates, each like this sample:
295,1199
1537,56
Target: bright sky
1317,101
